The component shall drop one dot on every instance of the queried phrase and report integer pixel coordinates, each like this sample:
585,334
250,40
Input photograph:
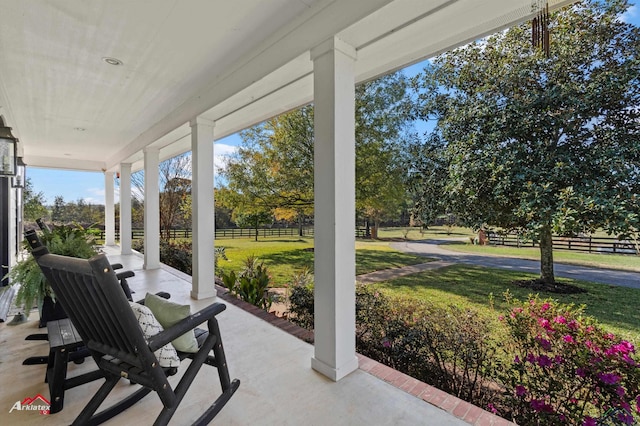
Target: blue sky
89,186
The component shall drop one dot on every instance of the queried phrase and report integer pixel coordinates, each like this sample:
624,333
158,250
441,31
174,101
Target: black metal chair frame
92,297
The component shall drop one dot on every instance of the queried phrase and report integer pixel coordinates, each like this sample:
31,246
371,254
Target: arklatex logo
37,403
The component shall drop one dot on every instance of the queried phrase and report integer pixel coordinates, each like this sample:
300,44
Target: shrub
179,255
252,284
447,347
563,368
301,300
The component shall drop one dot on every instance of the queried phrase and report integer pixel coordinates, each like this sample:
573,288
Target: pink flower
589,421
590,329
620,391
628,359
568,338
515,312
521,390
573,325
592,346
638,403
609,378
543,322
516,360
544,361
560,320
625,418
531,358
558,359
539,405
546,345
625,347
545,307
580,372
492,408
609,336
501,318
386,344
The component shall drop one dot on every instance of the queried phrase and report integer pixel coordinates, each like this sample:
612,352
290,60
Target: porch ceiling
235,63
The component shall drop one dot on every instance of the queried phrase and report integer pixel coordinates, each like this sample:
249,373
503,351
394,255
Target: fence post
589,243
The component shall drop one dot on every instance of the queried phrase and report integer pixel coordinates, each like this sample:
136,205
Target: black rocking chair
93,298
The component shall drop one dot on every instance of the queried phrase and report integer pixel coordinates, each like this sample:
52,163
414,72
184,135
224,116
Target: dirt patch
539,285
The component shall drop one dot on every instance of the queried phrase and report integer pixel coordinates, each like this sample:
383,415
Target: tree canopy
273,168
537,144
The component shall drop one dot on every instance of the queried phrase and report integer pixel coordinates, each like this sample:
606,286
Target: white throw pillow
166,355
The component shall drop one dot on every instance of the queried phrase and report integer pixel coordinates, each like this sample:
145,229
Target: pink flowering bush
562,368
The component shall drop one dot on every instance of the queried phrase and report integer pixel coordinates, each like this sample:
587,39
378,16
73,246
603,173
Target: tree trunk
546,256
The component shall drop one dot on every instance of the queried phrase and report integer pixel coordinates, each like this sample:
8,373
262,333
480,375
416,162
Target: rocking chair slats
93,298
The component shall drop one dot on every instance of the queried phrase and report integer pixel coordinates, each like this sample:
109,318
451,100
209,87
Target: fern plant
62,239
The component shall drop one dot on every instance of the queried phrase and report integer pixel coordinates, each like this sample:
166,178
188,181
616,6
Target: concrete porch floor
278,386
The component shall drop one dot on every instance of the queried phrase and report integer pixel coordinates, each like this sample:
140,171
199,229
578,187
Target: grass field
286,256
469,286
598,260
614,307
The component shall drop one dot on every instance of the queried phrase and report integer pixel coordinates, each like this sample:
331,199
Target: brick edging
455,406
281,323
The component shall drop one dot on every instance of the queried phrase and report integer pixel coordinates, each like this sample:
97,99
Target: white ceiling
233,62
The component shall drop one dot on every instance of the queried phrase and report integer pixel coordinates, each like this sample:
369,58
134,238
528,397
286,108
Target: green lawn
614,307
598,260
286,256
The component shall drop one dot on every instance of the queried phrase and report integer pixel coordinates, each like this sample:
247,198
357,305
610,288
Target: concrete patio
278,385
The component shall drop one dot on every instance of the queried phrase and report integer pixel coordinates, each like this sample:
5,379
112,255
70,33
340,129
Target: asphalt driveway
433,249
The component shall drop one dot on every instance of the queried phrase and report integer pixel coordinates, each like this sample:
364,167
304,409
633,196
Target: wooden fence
583,244
138,234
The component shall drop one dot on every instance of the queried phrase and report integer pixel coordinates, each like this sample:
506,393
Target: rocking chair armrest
184,325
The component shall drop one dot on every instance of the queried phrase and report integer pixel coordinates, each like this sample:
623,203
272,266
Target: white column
334,188
151,208
109,210
202,209
125,208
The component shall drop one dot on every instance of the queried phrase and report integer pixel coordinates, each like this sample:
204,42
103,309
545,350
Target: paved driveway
433,249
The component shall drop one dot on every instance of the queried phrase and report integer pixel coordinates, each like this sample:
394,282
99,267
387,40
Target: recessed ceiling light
112,61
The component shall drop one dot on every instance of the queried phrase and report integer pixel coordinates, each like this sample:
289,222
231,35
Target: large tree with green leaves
34,207
273,168
541,144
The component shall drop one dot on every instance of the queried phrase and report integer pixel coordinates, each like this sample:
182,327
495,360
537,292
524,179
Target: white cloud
221,151
630,14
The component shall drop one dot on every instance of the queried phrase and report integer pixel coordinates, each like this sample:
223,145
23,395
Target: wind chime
540,27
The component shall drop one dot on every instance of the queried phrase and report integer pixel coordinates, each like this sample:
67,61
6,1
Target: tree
539,144
252,219
382,116
33,203
57,212
426,178
273,169
175,187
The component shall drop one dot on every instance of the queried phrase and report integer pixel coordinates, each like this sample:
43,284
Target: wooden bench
65,345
